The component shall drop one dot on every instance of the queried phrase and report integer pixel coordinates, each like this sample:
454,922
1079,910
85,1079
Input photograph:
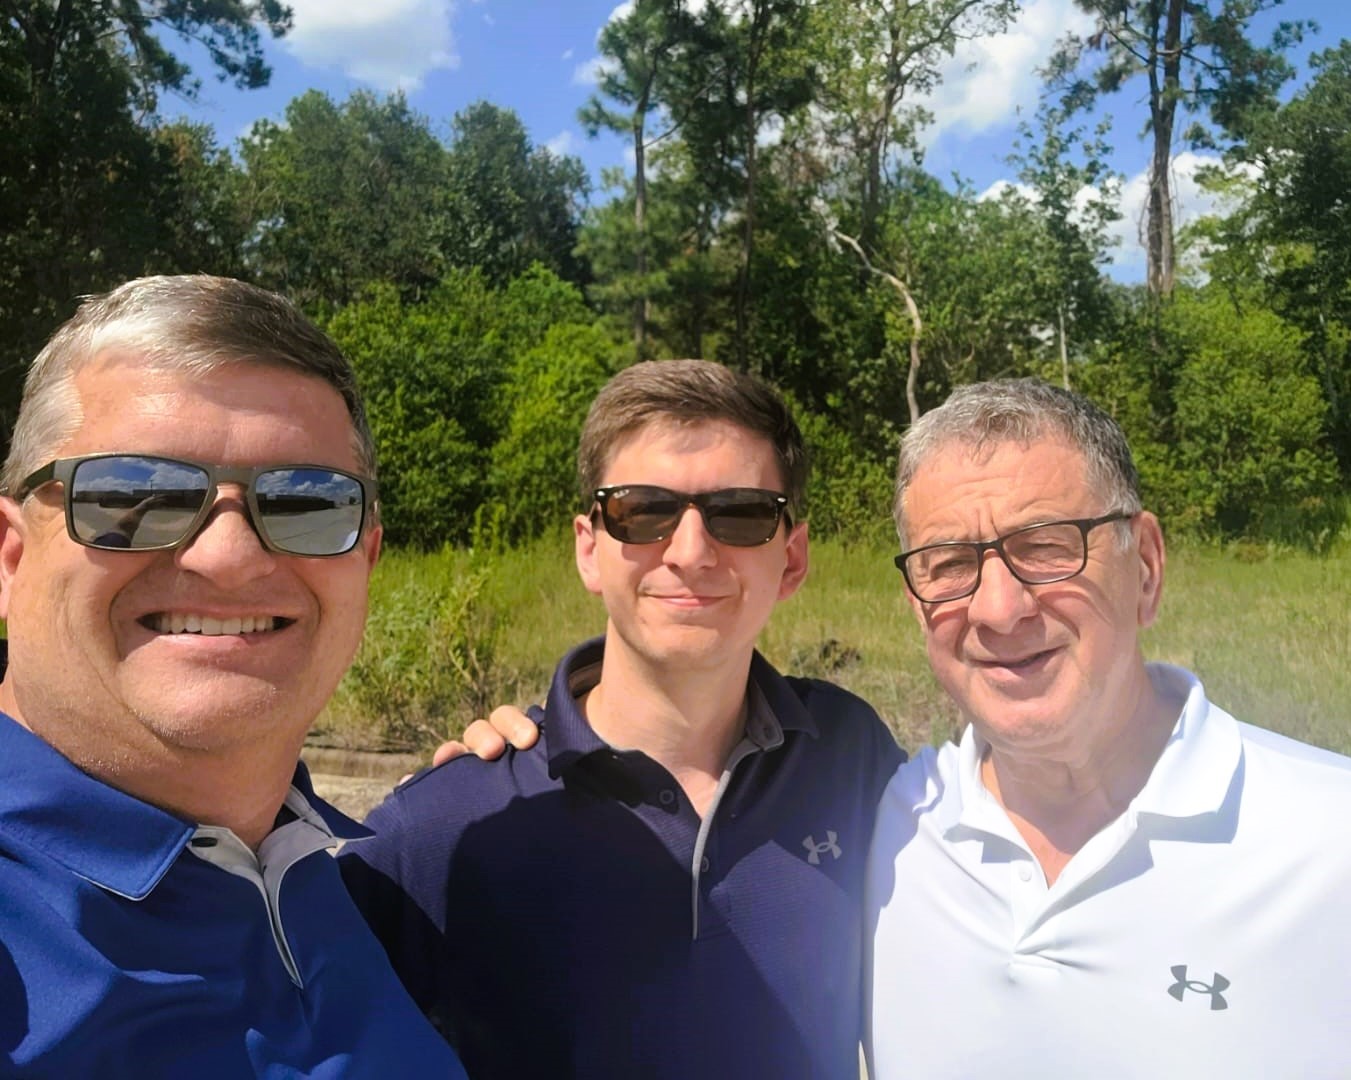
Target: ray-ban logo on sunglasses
645,513
138,502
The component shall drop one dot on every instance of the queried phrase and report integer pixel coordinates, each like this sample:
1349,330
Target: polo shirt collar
568,737
1192,777
102,834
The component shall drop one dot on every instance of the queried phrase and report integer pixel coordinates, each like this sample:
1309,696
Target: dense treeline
777,217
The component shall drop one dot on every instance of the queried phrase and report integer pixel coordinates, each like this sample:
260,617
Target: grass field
1268,631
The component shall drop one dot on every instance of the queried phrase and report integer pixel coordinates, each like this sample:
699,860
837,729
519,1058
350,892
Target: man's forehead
1018,481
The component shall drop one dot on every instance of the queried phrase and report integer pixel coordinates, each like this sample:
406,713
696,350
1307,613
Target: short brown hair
192,323
686,393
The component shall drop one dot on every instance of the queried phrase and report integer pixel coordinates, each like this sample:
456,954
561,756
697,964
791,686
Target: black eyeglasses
645,514
137,502
1035,554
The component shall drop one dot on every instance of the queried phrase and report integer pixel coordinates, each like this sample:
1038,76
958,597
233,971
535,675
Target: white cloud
391,45
567,55
1189,203
989,78
588,72
561,144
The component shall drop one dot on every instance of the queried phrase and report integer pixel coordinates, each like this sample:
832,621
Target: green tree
1075,195
636,48
340,196
1198,61
511,204
874,58
93,189
1249,419
1302,154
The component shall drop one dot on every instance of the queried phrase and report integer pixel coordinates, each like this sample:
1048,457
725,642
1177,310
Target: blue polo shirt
564,912
133,944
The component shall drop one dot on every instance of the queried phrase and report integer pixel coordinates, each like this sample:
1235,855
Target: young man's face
690,603
1035,667
94,666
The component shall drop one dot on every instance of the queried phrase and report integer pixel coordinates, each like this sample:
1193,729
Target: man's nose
227,549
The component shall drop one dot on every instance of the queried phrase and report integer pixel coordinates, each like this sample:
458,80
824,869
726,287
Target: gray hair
989,414
191,323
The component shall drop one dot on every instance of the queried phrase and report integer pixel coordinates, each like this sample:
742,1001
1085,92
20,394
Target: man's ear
12,535
1153,558
795,561
584,538
372,543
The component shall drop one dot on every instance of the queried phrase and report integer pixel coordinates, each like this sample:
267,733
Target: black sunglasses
645,514
138,502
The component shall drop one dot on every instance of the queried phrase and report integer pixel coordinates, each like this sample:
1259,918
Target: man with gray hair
1110,876
187,527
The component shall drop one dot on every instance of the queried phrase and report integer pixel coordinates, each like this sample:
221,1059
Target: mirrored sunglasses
137,502
645,514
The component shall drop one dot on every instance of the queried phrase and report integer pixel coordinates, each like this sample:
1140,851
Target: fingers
509,723
448,751
488,739
483,739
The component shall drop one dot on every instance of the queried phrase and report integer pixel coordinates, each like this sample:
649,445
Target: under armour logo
1215,989
815,850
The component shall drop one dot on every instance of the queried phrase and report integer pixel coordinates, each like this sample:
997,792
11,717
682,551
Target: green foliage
849,493
1249,422
93,189
340,196
511,204
427,660
534,465
448,378
432,374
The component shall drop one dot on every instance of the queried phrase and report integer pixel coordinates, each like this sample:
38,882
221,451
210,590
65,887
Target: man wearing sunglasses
670,883
187,527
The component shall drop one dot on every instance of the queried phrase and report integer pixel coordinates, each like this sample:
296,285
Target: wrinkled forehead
1015,478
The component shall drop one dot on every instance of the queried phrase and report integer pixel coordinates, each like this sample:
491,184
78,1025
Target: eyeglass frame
699,500
63,469
1084,525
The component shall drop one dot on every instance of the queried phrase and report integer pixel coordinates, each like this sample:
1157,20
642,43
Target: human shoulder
1295,761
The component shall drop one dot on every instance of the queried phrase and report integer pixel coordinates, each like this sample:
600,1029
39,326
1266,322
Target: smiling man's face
689,602
1033,667
101,662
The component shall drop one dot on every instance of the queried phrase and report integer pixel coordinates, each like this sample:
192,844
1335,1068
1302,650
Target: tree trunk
1163,99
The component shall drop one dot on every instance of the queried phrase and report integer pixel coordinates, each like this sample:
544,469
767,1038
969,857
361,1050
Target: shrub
427,664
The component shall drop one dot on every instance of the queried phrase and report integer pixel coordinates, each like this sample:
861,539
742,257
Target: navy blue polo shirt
564,912
133,944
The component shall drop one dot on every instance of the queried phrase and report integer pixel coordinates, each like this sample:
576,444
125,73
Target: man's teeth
178,623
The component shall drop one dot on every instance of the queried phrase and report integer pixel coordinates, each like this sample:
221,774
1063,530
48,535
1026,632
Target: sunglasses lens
135,502
310,511
742,517
640,515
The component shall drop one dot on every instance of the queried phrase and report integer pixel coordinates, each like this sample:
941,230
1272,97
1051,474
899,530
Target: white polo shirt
1206,933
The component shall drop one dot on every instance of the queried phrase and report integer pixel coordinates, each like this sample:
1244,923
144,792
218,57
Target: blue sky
537,57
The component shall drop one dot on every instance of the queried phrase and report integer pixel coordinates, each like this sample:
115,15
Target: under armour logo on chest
1214,989
815,850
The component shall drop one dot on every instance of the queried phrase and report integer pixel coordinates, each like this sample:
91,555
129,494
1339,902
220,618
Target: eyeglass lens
1036,556
132,501
645,514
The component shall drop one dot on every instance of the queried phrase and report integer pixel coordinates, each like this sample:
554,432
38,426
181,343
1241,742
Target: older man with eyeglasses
1109,876
187,530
